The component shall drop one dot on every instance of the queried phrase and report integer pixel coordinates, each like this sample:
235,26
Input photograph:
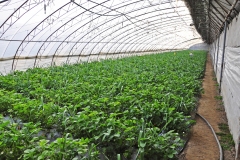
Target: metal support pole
3,1
217,54
224,43
214,55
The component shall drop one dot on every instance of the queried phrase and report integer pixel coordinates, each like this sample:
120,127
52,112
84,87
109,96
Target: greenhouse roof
69,31
209,16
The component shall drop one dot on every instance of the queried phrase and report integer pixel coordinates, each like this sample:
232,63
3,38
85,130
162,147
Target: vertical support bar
217,55
214,55
209,21
224,43
238,148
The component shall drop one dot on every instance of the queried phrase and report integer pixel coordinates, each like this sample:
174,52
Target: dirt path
202,144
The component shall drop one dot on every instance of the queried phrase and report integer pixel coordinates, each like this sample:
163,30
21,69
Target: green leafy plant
226,138
62,148
137,107
15,137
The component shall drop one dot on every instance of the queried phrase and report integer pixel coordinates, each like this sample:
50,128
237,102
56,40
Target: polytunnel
43,33
36,33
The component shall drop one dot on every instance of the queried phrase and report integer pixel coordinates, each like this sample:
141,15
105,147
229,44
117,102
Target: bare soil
202,144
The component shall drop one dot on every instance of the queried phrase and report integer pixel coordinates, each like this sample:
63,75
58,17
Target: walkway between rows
202,144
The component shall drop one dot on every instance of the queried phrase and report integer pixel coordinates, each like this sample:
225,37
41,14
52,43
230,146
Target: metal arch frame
98,35
49,17
59,27
119,44
91,31
40,23
145,49
130,39
131,47
34,32
144,40
209,31
105,29
128,47
212,13
3,1
137,30
221,6
169,40
59,34
227,2
122,39
171,8
89,10
114,9
98,17
216,11
218,3
15,15
64,41
214,21
114,44
150,6
215,8
219,29
56,31
141,50
13,35
148,51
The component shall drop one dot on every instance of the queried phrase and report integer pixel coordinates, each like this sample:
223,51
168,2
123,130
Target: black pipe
224,43
3,1
215,136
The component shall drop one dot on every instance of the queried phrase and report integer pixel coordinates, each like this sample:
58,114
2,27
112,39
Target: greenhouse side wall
230,86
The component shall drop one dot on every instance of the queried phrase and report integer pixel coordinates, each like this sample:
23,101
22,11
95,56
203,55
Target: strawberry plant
132,108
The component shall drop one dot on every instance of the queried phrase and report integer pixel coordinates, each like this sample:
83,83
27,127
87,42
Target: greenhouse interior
119,79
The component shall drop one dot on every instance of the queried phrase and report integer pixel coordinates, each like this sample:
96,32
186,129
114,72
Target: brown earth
202,144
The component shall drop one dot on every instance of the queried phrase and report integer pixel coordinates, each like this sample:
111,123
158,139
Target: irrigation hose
219,146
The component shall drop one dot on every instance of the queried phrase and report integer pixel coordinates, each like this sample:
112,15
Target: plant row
130,108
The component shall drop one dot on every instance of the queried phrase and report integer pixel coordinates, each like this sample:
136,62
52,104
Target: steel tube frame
223,55
129,39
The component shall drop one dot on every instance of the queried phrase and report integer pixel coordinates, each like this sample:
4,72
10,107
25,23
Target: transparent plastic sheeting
24,64
230,89
200,46
50,29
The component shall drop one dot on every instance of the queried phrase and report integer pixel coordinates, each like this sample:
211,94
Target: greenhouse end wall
200,46
230,85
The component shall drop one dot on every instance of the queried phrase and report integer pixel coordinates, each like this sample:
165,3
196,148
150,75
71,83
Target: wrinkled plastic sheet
230,87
